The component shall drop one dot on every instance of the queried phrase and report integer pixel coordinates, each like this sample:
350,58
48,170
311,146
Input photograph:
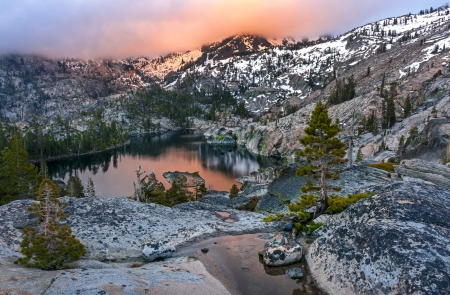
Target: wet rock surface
295,273
118,233
395,242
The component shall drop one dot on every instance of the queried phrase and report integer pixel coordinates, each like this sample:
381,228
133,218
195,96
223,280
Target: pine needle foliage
49,246
339,204
322,150
75,187
234,191
18,178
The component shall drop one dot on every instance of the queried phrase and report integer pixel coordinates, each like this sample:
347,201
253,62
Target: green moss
338,204
389,167
251,205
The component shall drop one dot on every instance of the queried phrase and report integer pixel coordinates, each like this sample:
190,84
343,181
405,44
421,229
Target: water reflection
175,151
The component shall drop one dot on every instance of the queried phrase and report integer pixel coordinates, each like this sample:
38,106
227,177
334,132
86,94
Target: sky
126,28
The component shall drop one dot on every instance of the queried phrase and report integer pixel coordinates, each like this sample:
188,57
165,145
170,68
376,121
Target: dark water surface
234,260
113,172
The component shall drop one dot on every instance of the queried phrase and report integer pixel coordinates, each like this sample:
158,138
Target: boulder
283,254
294,273
396,242
278,240
160,249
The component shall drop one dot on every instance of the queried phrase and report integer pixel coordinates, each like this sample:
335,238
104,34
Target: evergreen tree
43,169
344,91
322,150
148,189
200,190
75,187
18,178
389,117
50,245
234,191
414,131
177,193
401,142
407,108
90,189
359,156
434,112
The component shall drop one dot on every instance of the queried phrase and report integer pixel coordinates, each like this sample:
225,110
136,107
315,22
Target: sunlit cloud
101,28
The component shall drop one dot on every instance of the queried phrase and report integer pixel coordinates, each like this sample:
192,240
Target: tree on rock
322,149
234,191
50,245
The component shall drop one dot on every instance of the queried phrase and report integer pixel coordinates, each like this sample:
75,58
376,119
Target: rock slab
396,242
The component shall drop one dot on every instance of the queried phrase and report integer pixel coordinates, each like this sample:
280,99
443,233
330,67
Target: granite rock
396,242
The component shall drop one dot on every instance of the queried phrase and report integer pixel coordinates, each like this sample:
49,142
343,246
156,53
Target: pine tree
434,112
75,187
234,191
148,189
90,189
359,156
407,108
401,142
18,178
322,150
177,193
50,245
200,190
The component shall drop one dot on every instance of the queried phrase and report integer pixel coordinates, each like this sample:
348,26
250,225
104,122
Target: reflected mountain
174,151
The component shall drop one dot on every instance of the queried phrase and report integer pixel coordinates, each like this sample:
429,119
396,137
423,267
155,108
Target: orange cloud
103,28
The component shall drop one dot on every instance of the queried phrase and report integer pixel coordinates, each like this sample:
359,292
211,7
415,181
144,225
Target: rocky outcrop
118,228
219,136
425,170
431,144
172,276
286,188
395,242
192,179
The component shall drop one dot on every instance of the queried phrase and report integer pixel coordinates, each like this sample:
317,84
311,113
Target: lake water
234,261
113,172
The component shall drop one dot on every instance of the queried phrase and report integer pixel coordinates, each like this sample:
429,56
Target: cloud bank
116,29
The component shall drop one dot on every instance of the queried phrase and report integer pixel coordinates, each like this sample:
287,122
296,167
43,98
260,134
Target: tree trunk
350,153
323,183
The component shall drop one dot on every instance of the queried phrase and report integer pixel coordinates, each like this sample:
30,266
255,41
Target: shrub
234,191
49,246
389,167
251,205
339,204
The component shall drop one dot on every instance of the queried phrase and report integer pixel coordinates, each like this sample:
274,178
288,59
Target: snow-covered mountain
265,73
